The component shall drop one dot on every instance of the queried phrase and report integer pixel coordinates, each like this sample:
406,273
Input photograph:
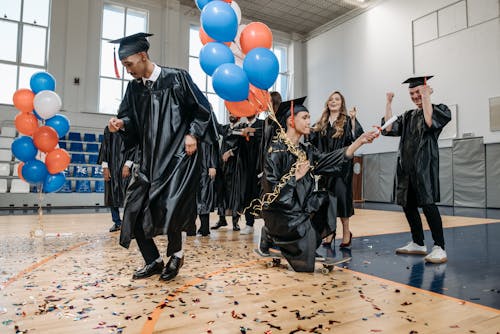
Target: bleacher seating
62,144
89,137
19,186
5,155
97,171
76,147
99,186
93,158
92,148
78,158
3,186
101,138
75,136
4,169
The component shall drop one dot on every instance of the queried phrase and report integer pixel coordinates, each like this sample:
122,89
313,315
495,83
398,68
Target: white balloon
236,46
237,10
47,103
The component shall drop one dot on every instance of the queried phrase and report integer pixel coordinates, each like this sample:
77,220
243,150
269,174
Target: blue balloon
202,3
42,81
53,182
60,123
212,55
24,149
230,82
34,171
261,67
219,21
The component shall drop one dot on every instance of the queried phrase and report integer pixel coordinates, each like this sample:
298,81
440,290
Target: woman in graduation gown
335,130
296,217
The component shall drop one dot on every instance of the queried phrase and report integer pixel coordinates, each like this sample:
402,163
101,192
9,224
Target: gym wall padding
469,177
446,176
493,175
379,172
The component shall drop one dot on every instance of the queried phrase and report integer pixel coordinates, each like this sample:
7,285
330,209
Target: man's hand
302,169
212,172
228,154
106,174
247,131
389,96
190,144
115,124
425,91
125,172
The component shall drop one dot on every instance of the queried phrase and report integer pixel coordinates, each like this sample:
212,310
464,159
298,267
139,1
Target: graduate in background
116,166
296,217
165,114
206,198
418,165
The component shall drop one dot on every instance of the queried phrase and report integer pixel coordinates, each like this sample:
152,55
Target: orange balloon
204,38
45,138
23,99
228,1
259,98
256,35
26,123
57,161
20,171
241,108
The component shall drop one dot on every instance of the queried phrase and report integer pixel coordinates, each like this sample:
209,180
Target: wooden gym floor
77,279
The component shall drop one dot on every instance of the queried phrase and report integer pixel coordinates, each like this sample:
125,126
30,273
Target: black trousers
148,247
432,215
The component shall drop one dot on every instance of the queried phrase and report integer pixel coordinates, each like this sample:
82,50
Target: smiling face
136,64
335,102
415,96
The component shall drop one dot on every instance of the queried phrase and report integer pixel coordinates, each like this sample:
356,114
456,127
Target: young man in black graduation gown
418,166
298,218
116,166
164,114
206,199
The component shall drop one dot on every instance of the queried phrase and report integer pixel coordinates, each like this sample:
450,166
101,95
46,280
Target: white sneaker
412,248
247,230
437,255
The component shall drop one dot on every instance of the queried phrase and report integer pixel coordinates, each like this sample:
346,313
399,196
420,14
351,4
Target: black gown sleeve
441,115
274,169
331,163
397,127
104,149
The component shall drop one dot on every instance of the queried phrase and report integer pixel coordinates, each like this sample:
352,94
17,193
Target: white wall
372,54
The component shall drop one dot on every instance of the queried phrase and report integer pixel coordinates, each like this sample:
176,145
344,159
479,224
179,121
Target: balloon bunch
40,104
237,56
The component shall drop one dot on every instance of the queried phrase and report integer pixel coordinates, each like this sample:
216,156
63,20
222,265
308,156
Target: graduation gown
341,185
300,217
207,196
112,151
250,152
418,156
162,192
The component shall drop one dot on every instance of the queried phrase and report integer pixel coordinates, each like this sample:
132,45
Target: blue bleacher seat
93,158
80,171
82,186
66,188
62,144
97,171
76,136
99,186
78,158
89,137
101,138
92,148
76,147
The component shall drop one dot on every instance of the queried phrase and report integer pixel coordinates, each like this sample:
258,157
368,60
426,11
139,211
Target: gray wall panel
387,175
493,175
446,176
370,177
469,177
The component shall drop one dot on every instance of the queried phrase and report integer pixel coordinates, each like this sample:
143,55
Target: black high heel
326,243
348,244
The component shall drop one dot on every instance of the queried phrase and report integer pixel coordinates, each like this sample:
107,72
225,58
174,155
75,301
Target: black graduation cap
285,109
417,81
132,44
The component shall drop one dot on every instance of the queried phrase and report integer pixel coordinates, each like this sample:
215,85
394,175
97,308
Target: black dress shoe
172,268
219,225
236,227
149,270
115,228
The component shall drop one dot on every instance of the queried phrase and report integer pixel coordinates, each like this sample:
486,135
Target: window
117,21
204,81
24,35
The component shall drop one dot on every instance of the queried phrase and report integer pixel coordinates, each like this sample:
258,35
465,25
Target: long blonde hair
339,123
